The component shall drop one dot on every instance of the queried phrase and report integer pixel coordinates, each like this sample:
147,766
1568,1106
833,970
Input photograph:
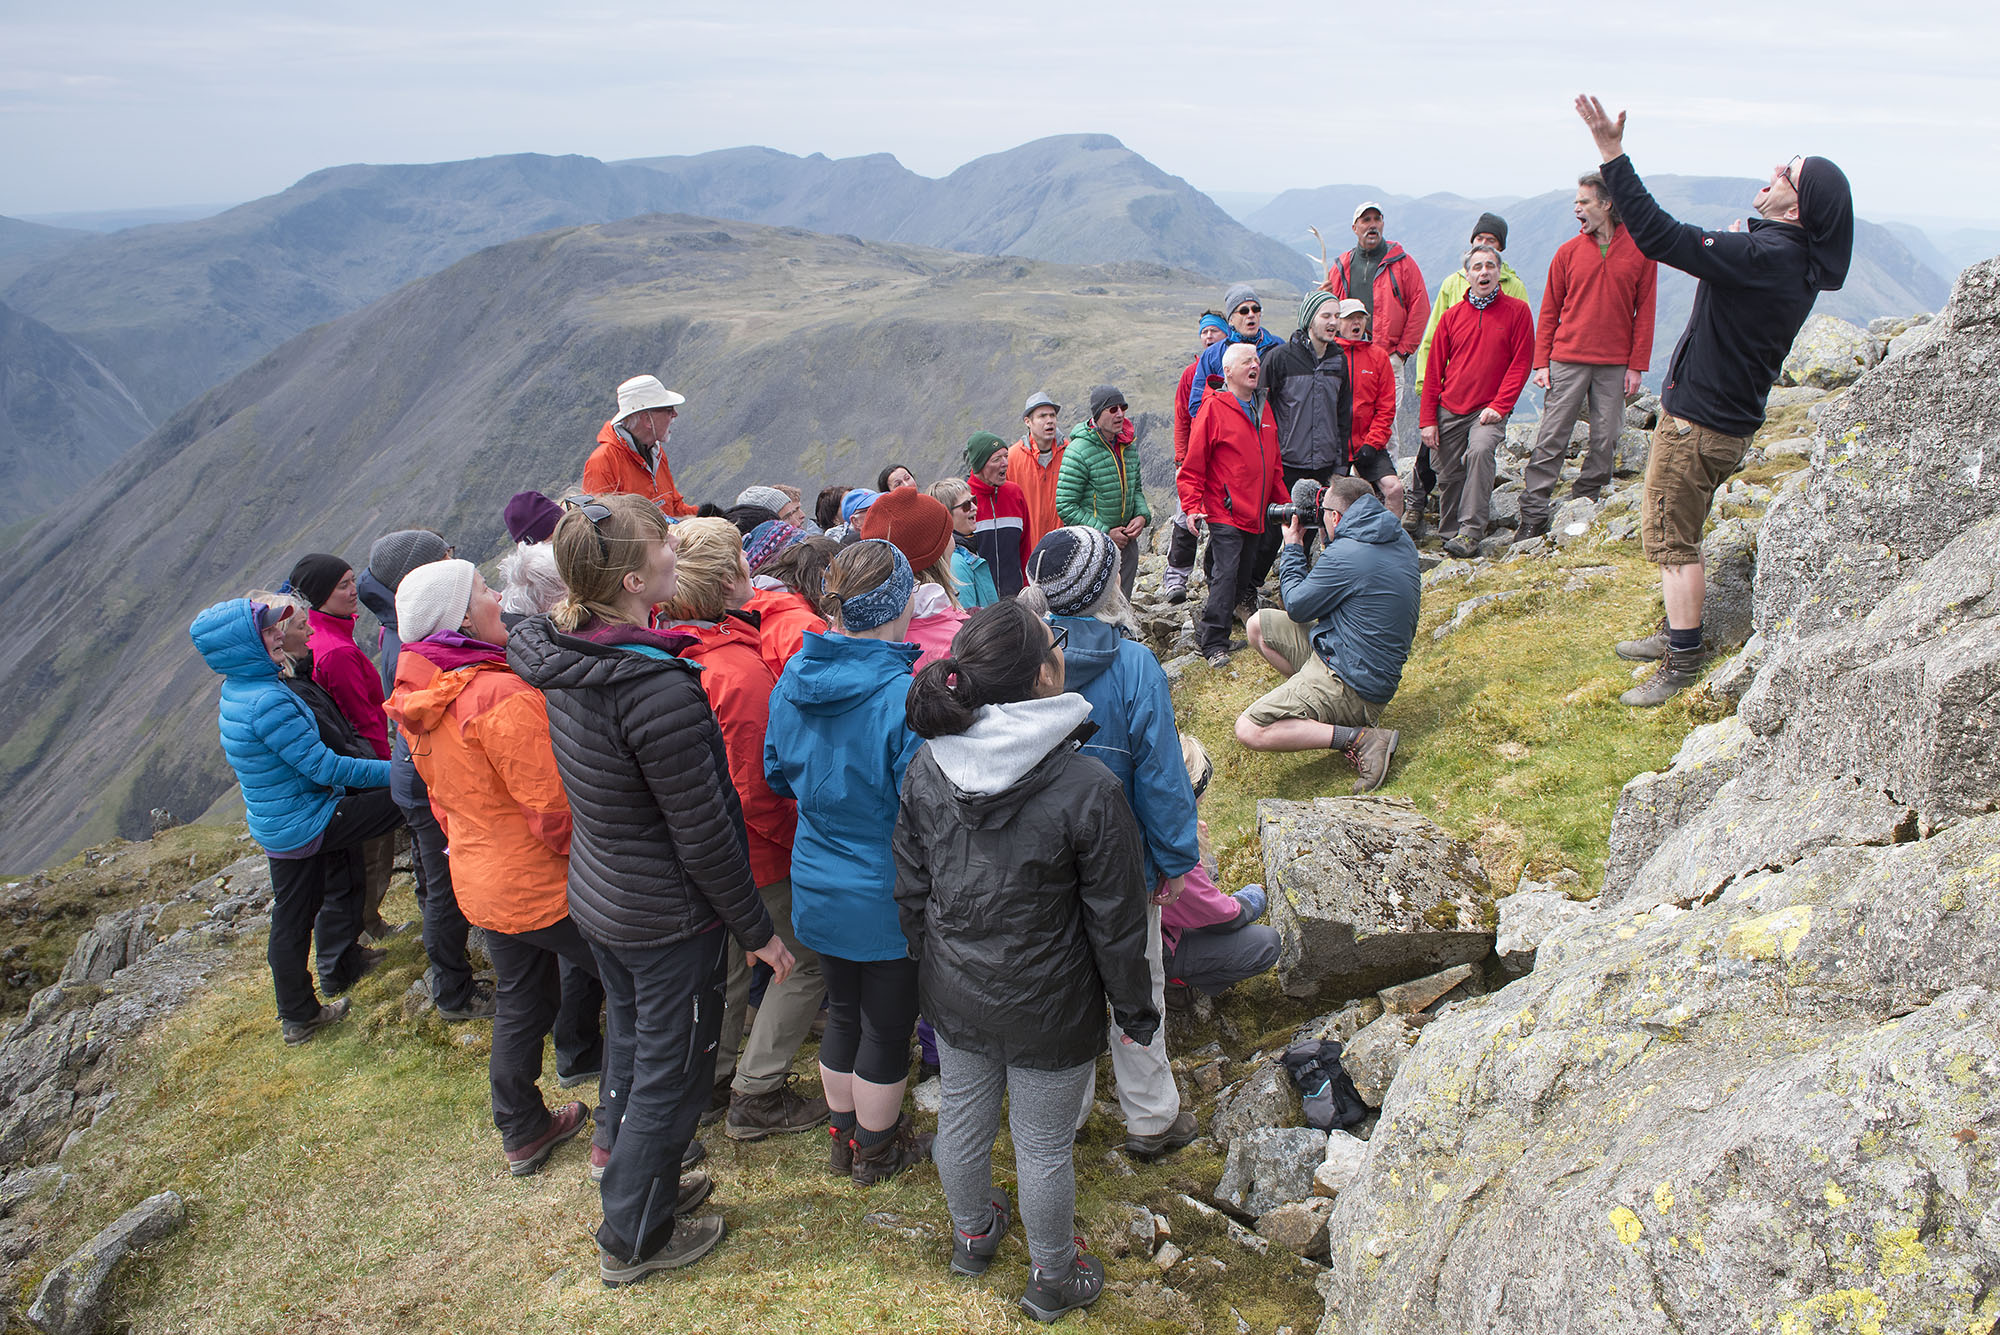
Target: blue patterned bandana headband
886,601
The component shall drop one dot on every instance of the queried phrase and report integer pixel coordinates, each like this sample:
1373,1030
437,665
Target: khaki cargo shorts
1684,468
1315,691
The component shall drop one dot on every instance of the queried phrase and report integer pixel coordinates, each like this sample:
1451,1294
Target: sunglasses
1059,634
1252,310
971,507
596,512
1785,175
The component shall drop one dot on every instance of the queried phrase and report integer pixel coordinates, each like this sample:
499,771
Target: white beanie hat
432,598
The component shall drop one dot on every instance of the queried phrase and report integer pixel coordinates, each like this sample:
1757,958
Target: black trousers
528,995
1231,555
663,1012
444,926
1181,544
871,1007
316,902
1426,473
1274,532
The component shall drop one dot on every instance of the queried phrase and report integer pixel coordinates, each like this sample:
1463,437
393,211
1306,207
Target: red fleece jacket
738,683
349,676
1597,310
1479,359
1183,420
1372,382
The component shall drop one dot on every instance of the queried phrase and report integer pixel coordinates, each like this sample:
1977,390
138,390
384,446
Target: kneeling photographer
1343,635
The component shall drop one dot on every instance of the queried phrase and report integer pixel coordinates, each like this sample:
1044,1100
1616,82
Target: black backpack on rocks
1330,1097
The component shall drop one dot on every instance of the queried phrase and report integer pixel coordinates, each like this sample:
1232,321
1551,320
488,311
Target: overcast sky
121,105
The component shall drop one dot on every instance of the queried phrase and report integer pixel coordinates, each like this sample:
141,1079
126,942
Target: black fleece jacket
1753,295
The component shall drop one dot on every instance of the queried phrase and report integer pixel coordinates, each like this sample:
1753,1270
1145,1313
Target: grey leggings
1041,1114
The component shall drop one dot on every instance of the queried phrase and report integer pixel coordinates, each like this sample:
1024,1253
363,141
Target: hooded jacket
349,677
479,736
1233,469
1755,290
935,623
1311,401
738,682
1371,384
974,576
839,743
334,729
1100,486
1399,308
783,618
1133,708
1019,883
657,851
1362,597
618,464
291,780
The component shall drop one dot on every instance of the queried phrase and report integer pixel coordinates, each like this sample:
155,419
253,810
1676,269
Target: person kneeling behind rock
1211,941
1342,638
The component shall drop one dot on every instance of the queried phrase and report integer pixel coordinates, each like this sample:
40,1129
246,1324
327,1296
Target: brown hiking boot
1679,670
1647,649
1370,755
774,1112
840,1153
903,1149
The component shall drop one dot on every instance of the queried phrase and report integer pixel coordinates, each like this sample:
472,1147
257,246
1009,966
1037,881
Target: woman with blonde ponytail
659,879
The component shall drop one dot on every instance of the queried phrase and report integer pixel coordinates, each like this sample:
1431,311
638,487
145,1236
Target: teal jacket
1099,487
972,575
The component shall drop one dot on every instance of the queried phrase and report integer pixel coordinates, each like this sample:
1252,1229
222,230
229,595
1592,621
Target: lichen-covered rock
70,1300
1263,1098
1421,994
1653,805
1298,1226
1270,1166
1366,893
1777,1111
1344,1156
1731,677
1729,561
1529,917
1340,1025
115,940
1829,353
1374,1056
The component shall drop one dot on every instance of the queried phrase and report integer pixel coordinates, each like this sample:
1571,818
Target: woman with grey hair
529,582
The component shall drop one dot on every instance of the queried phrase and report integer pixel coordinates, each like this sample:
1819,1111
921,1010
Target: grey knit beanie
769,497
395,555
1073,567
1236,296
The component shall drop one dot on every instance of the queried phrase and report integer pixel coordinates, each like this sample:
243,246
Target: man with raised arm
1756,286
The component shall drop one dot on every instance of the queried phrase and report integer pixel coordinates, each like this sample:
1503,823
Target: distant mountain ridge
59,408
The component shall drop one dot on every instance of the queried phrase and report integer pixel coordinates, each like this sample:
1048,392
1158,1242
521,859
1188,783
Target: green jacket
1450,293
1098,488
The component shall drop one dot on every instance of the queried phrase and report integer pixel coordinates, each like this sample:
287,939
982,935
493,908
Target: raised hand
1609,134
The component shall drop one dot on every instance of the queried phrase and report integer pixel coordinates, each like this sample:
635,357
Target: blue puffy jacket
838,743
1133,709
291,780
1363,597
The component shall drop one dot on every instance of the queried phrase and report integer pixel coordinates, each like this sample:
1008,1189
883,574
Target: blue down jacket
291,780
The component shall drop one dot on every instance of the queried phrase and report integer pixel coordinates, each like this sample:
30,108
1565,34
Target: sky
124,105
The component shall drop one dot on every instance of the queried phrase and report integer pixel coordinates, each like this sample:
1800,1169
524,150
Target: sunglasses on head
596,512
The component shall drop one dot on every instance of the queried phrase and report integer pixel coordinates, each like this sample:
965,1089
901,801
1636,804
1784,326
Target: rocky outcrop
70,1300
1829,353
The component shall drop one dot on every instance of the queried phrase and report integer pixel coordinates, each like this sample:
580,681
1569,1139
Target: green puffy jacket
1099,488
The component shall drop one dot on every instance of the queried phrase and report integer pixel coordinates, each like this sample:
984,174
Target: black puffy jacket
1025,907
1311,402
657,849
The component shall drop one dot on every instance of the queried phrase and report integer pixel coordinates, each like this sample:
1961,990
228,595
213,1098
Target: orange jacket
784,618
616,466
1038,484
479,736
738,682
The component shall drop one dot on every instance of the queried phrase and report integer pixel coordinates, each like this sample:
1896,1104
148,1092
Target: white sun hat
642,392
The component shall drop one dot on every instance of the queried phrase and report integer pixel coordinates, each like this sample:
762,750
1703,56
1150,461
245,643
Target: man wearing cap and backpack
1381,276
631,453
1034,464
1100,486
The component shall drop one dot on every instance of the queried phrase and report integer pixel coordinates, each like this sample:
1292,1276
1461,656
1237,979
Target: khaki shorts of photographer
1315,691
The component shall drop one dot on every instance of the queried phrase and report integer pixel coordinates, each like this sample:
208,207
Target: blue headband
883,603
1212,322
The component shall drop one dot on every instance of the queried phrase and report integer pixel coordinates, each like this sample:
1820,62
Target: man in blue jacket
1342,638
1246,325
1756,286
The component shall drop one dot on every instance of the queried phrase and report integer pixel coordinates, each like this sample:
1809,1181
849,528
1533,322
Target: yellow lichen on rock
1770,937
1663,1197
1626,1225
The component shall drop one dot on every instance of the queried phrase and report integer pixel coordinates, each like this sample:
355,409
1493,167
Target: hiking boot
1680,669
1174,584
478,1005
1646,650
1179,996
1217,658
301,1031
840,1153
1050,1296
1246,609
903,1149
1413,514
695,1187
582,1075
1371,753
692,1240
1181,1131
567,1121
718,1104
1531,529
600,1159
365,961
1461,546
776,1111
971,1253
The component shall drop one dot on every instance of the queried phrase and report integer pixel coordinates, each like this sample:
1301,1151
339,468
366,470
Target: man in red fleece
1592,343
1478,366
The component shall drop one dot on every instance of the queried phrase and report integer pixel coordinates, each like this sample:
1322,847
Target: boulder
1528,917
1909,340
1298,1226
70,1300
1729,678
1729,560
1643,413
1628,457
1773,1111
1270,1166
115,940
1655,804
1374,1056
1367,893
1829,353
1572,520
1340,1025
1264,1098
1344,1155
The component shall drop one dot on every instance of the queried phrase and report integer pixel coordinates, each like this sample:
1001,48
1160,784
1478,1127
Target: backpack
1330,1097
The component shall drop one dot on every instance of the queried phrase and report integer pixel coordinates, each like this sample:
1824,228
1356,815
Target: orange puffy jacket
783,618
617,466
479,736
738,682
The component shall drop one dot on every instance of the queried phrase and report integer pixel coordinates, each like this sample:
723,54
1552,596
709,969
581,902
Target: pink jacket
934,625
349,676
1201,905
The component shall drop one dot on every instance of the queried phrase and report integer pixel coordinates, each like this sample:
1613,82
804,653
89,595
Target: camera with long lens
1304,505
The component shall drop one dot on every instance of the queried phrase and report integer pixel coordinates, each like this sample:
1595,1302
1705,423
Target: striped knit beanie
1073,567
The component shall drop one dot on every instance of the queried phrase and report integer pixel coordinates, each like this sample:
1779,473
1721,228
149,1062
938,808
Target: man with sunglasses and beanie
1244,311
1754,290
631,453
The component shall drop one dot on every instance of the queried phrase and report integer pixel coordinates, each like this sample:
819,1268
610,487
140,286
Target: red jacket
1479,359
616,466
349,676
1000,532
1372,382
1232,472
1183,421
1597,309
738,683
1401,306
783,618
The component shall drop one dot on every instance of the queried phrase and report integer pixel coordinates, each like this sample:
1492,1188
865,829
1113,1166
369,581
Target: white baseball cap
1363,207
